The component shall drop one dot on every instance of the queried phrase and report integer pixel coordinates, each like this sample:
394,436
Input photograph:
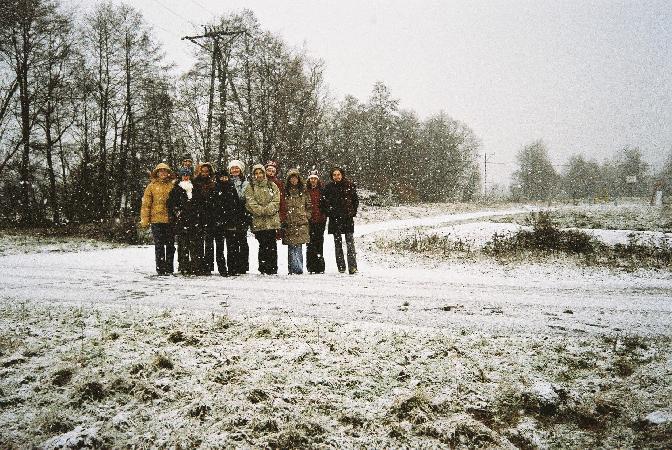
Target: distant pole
485,176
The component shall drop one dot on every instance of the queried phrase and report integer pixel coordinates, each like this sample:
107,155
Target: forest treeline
88,103
626,174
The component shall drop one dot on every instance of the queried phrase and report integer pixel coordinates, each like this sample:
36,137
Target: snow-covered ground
410,351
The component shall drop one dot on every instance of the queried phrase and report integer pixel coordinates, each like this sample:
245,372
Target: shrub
545,237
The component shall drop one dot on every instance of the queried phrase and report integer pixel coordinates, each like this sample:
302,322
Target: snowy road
389,289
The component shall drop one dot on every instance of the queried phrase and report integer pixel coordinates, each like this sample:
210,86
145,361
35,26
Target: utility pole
485,174
219,68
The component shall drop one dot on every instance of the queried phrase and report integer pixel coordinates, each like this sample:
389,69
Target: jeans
268,252
315,249
352,255
164,247
295,259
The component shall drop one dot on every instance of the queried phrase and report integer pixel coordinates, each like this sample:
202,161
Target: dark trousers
244,251
352,256
315,249
268,251
236,254
219,239
164,247
209,238
187,252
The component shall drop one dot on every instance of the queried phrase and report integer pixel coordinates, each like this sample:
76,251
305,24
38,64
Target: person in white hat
238,251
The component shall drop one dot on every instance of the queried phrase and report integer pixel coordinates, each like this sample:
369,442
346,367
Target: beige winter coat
297,201
154,209
262,200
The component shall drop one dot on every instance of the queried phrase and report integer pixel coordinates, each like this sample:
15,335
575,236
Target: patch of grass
416,408
92,390
431,244
199,411
223,323
265,426
62,376
163,362
545,237
227,376
257,396
176,336
54,421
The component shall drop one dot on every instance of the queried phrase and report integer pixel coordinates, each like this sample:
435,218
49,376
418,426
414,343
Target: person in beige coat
154,212
262,200
296,225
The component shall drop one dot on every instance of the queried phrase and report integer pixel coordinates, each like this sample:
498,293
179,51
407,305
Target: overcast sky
585,76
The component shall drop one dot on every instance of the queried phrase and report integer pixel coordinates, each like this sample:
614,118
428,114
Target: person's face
223,178
186,177
235,171
337,176
293,180
186,163
270,171
258,174
205,171
162,174
313,182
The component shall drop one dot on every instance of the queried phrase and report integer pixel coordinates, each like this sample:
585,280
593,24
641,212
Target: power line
203,7
174,13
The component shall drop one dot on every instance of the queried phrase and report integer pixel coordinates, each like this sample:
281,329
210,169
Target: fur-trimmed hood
154,175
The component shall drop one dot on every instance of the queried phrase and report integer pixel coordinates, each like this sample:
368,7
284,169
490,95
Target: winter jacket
296,225
339,202
227,208
154,208
262,200
204,188
184,211
315,193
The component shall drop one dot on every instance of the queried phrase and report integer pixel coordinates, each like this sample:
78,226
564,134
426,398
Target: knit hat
187,157
272,163
222,173
236,163
313,174
185,171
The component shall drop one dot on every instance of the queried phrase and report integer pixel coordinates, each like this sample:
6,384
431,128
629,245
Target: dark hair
300,186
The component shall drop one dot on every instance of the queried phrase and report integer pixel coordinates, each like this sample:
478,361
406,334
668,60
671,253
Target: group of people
205,210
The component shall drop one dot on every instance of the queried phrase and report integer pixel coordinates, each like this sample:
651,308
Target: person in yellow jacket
154,212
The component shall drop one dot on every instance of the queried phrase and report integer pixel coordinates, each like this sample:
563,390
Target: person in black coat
339,202
185,217
204,186
229,216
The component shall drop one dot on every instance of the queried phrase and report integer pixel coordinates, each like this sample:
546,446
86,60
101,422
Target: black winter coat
227,208
339,202
203,197
184,213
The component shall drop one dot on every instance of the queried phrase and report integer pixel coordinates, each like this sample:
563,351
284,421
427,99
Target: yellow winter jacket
154,208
